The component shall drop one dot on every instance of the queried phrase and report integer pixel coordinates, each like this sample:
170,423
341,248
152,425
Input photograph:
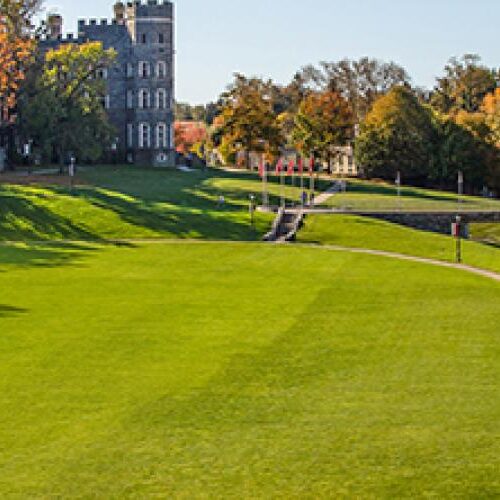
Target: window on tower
144,69
144,135
161,38
161,99
161,136
161,69
144,99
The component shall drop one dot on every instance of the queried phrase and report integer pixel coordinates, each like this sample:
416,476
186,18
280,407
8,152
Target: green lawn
360,232
205,370
370,195
127,202
191,369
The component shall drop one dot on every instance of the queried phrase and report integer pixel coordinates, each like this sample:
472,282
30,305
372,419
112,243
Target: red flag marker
279,166
291,167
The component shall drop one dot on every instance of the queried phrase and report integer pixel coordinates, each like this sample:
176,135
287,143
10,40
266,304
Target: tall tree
361,82
247,122
16,48
61,107
323,123
398,134
464,85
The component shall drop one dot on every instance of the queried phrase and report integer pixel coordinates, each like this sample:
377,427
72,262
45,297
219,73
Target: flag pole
265,196
282,181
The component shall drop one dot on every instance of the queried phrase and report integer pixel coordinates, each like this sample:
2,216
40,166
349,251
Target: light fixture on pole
460,186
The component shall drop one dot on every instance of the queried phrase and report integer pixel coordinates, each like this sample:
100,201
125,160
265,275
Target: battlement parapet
67,38
94,23
150,8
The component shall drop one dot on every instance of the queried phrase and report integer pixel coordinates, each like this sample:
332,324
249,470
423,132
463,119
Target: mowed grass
137,203
209,370
366,195
360,232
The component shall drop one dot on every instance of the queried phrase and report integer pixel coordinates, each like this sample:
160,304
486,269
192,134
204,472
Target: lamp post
71,171
252,208
460,189
398,184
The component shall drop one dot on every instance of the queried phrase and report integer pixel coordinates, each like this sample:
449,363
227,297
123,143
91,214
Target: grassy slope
221,370
137,203
358,232
370,195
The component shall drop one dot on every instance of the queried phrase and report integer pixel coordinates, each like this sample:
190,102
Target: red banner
291,167
279,167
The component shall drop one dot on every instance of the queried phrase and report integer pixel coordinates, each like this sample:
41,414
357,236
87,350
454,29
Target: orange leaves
188,134
491,103
15,53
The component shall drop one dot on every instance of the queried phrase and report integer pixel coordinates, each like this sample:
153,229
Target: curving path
400,256
392,255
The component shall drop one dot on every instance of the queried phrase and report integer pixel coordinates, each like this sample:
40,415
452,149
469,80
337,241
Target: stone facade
140,96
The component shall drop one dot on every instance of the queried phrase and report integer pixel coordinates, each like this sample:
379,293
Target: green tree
462,149
61,107
398,135
323,123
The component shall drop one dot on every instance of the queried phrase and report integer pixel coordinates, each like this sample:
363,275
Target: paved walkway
323,197
392,255
423,260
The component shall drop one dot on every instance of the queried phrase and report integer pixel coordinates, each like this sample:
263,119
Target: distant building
344,164
140,85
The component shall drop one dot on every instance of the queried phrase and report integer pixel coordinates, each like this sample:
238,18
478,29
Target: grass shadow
6,311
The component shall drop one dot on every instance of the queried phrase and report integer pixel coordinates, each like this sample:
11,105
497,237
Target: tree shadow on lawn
185,222
54,254
6,311
23,220
178,187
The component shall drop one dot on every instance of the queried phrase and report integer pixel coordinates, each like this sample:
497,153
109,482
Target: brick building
140,85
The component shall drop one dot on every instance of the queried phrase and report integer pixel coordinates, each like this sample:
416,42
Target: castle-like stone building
140,85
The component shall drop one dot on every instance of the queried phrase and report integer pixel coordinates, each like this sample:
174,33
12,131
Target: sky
275,38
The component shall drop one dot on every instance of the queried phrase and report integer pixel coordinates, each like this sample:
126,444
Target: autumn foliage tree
248,122
16,49
464,85
188,135
397,135
324,122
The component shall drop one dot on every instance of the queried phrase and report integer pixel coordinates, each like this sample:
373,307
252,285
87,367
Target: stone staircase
285,226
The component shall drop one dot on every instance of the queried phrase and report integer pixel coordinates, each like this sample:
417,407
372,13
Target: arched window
161,99
161,69
144,136
161,135
144,69
144,99
130,99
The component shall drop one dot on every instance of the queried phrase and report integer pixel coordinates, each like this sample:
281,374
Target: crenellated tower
140,85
